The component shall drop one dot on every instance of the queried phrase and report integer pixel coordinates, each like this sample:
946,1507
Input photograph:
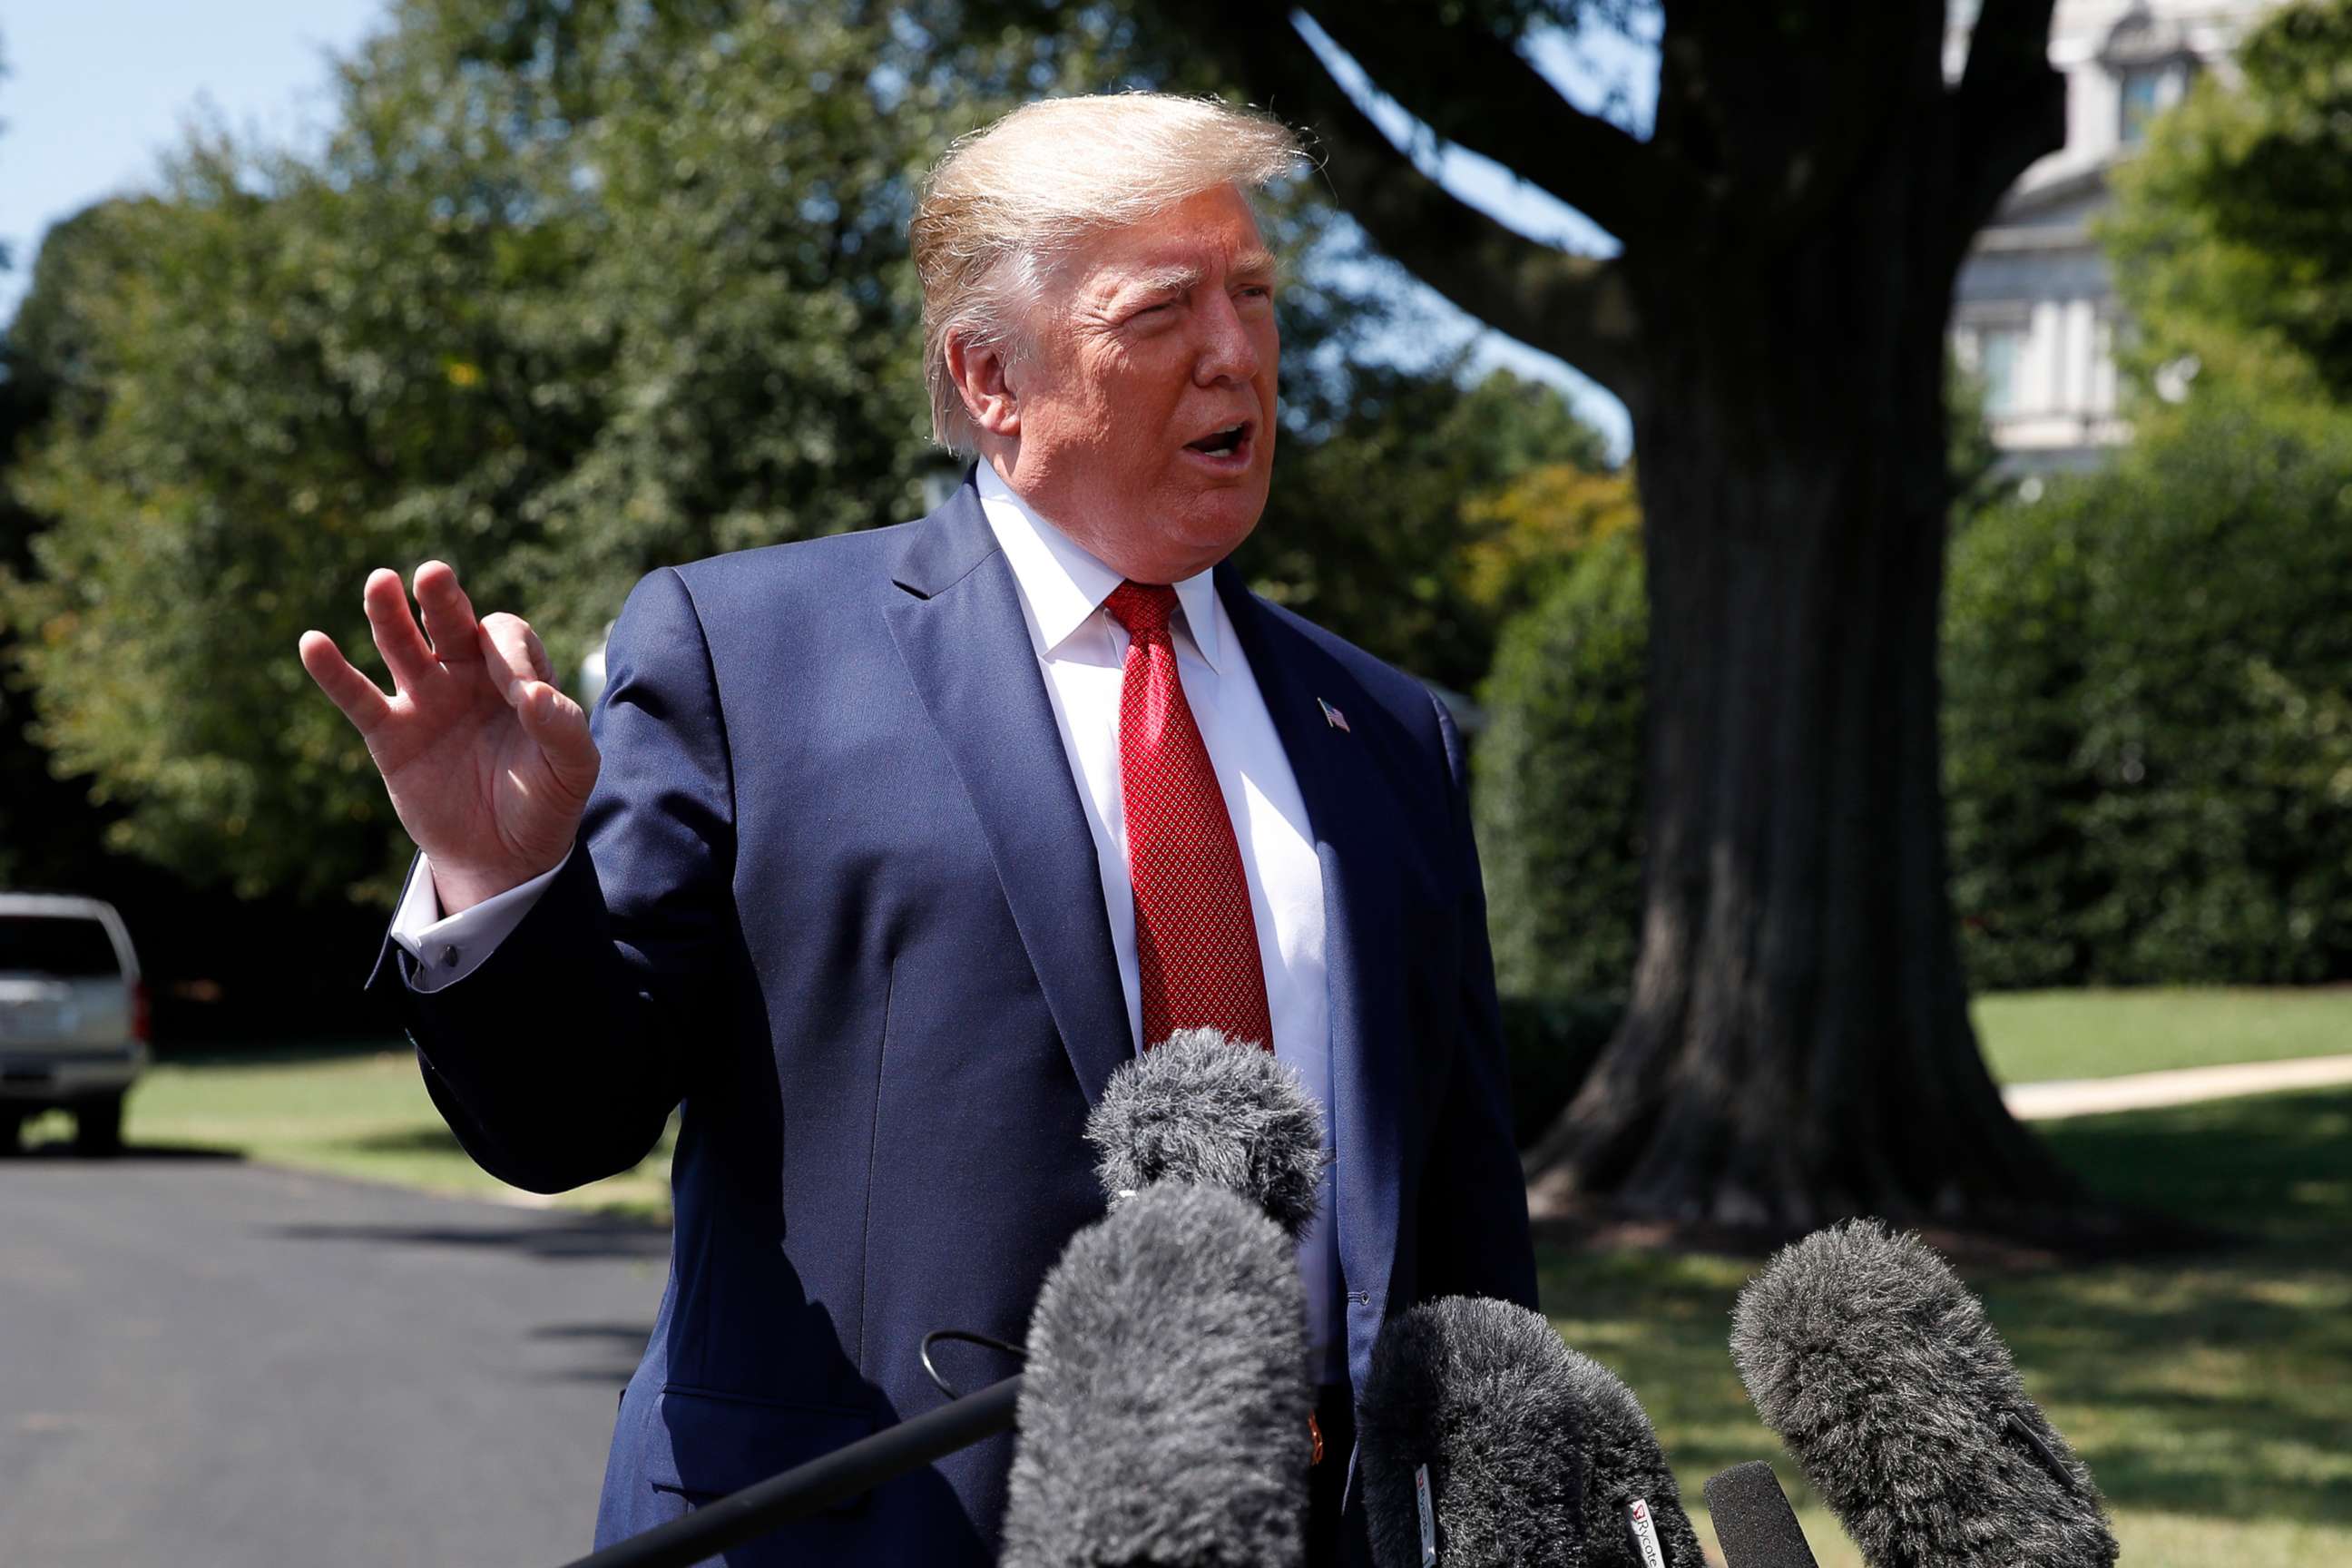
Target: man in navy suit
883,852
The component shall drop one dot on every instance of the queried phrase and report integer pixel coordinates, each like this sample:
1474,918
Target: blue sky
98,90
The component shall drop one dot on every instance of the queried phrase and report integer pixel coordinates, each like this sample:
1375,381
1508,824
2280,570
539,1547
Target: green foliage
2229,238
42,358
575,289
2148,744
2147,741
1376,497
1549,1044
1558,782
2015,644
2149,735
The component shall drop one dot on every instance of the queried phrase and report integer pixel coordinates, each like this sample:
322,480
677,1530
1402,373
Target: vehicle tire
98,1126
12,1132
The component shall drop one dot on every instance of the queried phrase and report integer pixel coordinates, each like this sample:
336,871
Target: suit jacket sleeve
559,1059
1474,1201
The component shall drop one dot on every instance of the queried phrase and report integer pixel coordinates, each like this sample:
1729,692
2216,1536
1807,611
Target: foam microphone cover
1753,1521
1534,1453
1901,1405
1205,1109
1163,1409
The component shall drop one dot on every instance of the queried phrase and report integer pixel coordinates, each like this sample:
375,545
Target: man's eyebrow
1249,266
1257,266
1176,279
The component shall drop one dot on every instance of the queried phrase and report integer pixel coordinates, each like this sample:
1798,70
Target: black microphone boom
1163,1421
1188,1446
739,1517
1485,1438
1902,1406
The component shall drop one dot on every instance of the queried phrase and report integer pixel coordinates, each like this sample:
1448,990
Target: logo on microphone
1428,1517
1646,1533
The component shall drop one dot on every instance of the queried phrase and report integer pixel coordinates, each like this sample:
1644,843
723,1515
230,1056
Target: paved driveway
206,1362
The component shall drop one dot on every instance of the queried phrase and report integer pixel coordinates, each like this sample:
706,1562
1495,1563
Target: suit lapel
1353,819
960,629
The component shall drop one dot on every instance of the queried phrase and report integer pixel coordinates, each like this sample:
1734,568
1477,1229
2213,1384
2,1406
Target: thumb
560,725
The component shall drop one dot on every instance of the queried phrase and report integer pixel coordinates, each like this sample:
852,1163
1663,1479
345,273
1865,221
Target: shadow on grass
2212,1383
552,1240
613,1347
286,1053
428,1139
60,1151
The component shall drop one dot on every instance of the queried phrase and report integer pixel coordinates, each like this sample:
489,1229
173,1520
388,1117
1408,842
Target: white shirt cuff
448,948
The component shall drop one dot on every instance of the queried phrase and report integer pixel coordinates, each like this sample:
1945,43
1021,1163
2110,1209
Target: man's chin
1215,524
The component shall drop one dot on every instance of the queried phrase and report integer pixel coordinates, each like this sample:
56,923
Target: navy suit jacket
839,898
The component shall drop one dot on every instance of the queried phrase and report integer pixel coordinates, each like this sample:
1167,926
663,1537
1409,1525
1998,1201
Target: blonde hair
1010,200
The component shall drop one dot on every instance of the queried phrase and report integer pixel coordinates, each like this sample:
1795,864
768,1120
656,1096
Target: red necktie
1195,941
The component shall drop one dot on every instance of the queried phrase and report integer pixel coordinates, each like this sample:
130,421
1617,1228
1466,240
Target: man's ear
981,372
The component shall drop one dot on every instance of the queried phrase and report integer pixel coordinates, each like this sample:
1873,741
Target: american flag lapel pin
1333,717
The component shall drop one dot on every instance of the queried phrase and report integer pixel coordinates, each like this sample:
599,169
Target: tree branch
1577,307
2008,109
1471,86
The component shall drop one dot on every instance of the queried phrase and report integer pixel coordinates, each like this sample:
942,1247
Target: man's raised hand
488,763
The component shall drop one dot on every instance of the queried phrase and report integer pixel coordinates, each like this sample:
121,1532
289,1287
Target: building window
1999,349
2146,92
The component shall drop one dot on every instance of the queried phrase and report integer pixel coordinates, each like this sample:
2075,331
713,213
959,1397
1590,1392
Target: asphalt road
208,1362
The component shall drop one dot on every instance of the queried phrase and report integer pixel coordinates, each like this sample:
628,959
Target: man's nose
1228,352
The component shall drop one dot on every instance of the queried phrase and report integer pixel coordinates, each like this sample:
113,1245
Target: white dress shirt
1081,650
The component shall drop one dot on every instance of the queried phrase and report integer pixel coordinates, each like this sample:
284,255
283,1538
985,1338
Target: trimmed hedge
1556,778
2148,723
2148,732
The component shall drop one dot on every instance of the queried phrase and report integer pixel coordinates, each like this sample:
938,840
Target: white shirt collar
1066,585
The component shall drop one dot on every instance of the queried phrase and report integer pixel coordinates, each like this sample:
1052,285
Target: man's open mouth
1230,441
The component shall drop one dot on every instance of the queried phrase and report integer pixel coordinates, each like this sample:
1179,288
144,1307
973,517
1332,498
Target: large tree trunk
1799,1045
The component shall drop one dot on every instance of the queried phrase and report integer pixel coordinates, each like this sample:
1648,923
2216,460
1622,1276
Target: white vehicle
73,1016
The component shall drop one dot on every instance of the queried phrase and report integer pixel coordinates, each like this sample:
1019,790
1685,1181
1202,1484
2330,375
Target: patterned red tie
1195,941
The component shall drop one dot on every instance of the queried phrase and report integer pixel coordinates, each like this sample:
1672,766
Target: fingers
448,614
561,727
514,651
396,636
518,659
361,702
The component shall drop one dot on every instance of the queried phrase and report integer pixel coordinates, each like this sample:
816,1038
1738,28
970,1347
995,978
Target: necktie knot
1145,609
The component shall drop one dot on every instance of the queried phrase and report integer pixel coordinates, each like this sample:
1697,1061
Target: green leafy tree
2150,741
1566,706
2229,237
44,385
575,289
1384,494
572,290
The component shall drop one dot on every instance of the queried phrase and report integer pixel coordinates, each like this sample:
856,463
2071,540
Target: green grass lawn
352,1109
2210,1394
2032,1035
361,1110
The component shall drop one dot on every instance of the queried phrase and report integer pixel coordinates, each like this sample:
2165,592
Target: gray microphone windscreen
1202,1108
1753,1521
1479,1431
1163,1408
1901,1405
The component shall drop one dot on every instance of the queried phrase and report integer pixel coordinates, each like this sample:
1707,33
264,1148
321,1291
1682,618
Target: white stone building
2036,314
